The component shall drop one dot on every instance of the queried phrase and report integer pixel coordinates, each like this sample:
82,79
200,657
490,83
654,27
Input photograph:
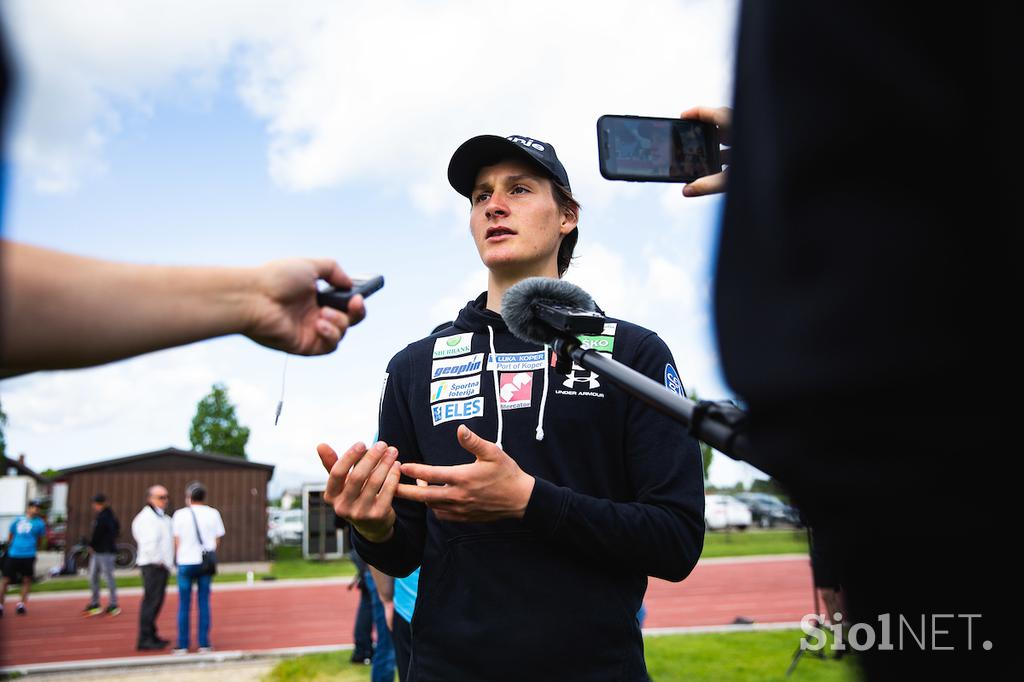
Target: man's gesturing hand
361,485
491,488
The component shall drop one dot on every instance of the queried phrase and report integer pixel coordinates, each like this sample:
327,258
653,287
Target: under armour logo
590,378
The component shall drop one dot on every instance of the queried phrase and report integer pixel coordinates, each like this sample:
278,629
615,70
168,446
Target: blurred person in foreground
153,532
854,298
552,496
19,565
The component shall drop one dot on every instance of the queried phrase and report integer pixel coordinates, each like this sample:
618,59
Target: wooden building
236,487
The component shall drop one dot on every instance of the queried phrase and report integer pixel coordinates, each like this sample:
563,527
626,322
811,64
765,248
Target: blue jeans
383,669
187,575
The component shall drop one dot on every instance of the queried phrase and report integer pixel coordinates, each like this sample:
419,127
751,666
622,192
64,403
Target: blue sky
239,133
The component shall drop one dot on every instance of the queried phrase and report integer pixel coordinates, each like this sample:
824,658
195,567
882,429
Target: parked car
725,511
285,526
56,535
769,511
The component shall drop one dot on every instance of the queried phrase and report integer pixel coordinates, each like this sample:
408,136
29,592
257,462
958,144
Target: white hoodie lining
497,393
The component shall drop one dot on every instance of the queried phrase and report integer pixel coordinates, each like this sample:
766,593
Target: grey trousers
102,562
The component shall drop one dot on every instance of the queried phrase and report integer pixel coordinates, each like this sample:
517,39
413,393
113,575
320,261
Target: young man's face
32,511
516,224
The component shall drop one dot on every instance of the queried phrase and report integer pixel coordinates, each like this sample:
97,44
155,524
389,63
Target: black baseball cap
487,150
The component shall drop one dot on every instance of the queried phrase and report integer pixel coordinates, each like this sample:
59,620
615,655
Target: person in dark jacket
102,551
553,495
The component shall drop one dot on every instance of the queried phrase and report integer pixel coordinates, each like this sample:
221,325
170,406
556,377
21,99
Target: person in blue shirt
401,630
20,562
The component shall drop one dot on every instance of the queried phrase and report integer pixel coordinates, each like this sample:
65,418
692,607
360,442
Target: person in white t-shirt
197,528
155,539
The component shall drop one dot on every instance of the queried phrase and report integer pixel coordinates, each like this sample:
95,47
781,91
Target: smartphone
339,298
646,149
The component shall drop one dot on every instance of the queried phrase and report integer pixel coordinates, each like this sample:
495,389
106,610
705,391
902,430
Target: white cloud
364,90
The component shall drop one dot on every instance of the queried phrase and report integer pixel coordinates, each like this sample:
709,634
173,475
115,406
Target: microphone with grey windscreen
554,312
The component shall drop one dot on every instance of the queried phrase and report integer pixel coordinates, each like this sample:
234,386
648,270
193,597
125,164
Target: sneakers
179,652
113,610
361,658
150,646
20,609
92,610
205,649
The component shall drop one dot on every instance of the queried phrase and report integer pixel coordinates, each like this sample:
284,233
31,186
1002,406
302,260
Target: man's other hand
491,488
361,485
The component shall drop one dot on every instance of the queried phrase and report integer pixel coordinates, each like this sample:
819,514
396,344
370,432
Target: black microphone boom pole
555,312
707,421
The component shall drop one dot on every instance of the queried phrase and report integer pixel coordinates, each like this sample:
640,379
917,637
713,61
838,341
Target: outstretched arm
60,310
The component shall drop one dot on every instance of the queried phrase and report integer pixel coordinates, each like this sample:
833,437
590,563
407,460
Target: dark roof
204,459
22,470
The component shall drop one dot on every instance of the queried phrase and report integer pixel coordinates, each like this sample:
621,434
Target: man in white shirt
155,540
197,528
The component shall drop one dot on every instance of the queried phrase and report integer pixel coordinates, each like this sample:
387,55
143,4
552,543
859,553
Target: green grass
737,657
754,542
332,667
287,563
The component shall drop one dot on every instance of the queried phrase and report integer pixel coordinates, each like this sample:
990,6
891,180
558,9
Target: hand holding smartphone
648,149
339,298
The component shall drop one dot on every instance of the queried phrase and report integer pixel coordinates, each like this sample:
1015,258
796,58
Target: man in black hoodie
542,523
102,550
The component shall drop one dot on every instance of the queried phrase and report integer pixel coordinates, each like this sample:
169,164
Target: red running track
273,617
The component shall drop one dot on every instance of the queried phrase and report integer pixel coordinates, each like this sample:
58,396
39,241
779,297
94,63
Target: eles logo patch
462,409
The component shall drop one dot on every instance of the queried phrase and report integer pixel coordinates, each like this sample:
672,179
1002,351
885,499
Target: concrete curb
166,660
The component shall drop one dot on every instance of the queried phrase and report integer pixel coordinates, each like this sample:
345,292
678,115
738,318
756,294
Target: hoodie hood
476,317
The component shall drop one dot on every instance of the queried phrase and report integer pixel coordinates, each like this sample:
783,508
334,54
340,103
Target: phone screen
656,149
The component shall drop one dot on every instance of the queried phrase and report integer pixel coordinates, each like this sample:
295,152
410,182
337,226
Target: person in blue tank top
24,535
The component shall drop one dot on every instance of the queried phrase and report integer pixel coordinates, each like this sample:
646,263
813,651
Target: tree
215,427
705,450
